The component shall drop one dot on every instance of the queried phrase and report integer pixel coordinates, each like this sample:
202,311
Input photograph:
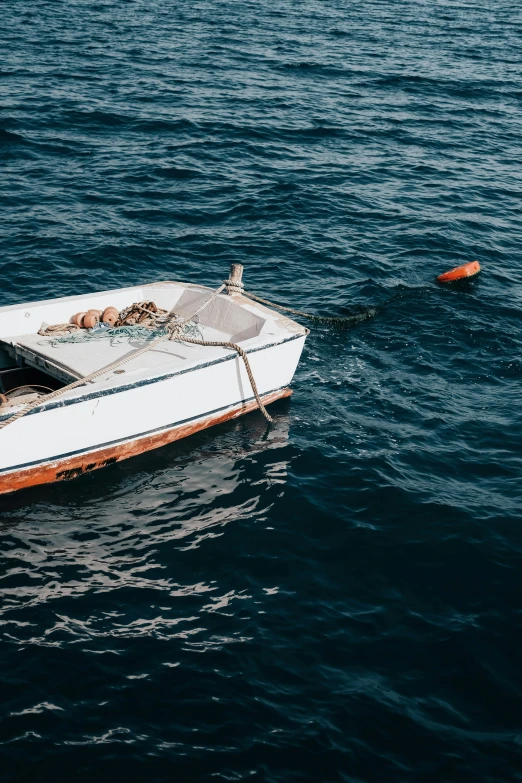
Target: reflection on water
128,527
131,582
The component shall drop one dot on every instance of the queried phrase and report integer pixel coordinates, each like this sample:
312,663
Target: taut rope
342,322
339,321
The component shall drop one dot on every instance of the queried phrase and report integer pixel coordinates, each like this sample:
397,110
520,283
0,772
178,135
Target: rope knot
233,286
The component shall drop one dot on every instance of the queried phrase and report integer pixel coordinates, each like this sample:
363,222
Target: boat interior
34,364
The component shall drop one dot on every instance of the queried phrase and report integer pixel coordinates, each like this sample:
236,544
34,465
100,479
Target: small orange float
460,272
110,315
90,320
78,318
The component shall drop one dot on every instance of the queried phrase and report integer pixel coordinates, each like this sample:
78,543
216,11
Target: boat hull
92,428
73,466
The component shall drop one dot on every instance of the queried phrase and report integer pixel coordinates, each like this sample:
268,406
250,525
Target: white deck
76,360
226,319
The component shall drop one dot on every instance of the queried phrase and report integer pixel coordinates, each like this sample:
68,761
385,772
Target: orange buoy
90,320
460,272
110,315
77,319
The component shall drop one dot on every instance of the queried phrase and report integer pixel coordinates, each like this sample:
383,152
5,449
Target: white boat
151,397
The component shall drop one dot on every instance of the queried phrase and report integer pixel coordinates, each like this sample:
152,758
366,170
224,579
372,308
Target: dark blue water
337,598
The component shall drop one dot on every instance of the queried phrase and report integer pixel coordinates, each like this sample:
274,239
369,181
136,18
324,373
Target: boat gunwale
106,392
60,299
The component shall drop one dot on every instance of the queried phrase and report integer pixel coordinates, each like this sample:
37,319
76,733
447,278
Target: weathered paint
72,467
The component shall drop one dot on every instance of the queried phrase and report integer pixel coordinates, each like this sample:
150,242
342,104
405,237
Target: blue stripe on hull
137,436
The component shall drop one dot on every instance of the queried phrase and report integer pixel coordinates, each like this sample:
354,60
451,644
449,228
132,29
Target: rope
234,286
142,313
31,387
242,353
58,328
173,332
342,322
110,367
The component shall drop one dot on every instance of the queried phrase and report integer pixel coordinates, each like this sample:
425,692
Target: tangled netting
120,334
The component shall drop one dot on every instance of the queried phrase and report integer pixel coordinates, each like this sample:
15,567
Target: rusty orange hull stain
62,470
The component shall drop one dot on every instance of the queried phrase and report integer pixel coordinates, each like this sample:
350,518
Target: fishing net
120,334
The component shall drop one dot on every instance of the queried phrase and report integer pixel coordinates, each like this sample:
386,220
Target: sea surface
337,597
